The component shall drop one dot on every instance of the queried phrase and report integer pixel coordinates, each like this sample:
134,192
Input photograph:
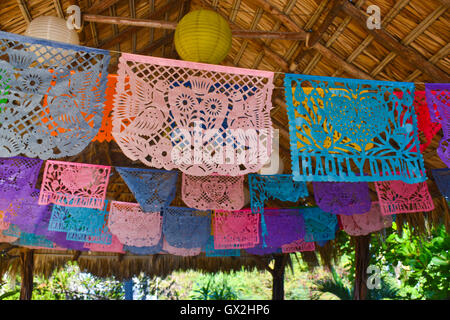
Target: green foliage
420,264
214,287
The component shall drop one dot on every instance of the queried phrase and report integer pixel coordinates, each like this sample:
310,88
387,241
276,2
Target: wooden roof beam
124,34
101,5
58,8
292,26
24,9
390,43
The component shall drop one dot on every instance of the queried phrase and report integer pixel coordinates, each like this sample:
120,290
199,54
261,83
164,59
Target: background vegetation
411,267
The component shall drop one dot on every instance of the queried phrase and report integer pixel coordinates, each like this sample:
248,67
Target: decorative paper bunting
25,212
342,197
399,197
199,118
211,252
424,123
319,225
260,250
298,246
213,192
336,124
153,189
363,224
31,239
442,179
7,239
185,252
236,229
438,100
279,186
74,184
145,250
115,246
55,94
134,227
104,134
186,228
18,176
12,231
82,224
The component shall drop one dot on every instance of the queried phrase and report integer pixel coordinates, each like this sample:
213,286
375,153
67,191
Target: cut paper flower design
74,184
51,96
319,225
213,192
199,118
363,224
351,130
400,197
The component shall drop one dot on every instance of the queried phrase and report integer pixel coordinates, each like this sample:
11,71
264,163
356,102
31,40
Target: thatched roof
413,46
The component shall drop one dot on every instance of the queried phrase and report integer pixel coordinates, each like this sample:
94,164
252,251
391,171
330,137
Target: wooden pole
278,276
162,24
362,257
27,266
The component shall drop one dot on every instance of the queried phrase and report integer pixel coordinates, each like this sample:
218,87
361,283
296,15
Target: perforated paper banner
74,184
352,130
363,224
104,133
82,224
147,250
424,123
299,245
342,197
185,252
211,252
134,227
199,118
438,100
114,246
236,229
18,176
186,228
54,96
153,189
213,192
278,186
442,179
399,197
319,225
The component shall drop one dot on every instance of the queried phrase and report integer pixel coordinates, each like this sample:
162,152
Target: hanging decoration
134,227
349,126
279,186
25,212
104,133
299,245
342,197
319,225
438,100
399,197
185,227
157,248
153,189
7,239
33,240
213,192
211,252
81,224
283,226
199,118
184,252
114,246
363,224
442,179
203,36
18,176
424,123
236,229
55,96
74,184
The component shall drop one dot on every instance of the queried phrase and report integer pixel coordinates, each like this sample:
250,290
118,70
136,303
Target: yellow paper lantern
203,36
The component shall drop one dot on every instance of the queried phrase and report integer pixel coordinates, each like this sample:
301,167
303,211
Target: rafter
58,8
293,27
24,9
390,43
332,13
101,5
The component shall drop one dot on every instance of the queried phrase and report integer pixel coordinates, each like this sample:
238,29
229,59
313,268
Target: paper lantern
203,36
52,28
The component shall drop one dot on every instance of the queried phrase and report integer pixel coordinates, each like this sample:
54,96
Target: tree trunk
362,257
278,277
27,266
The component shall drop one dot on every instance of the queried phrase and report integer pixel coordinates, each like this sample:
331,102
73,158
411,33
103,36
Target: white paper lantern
52,28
